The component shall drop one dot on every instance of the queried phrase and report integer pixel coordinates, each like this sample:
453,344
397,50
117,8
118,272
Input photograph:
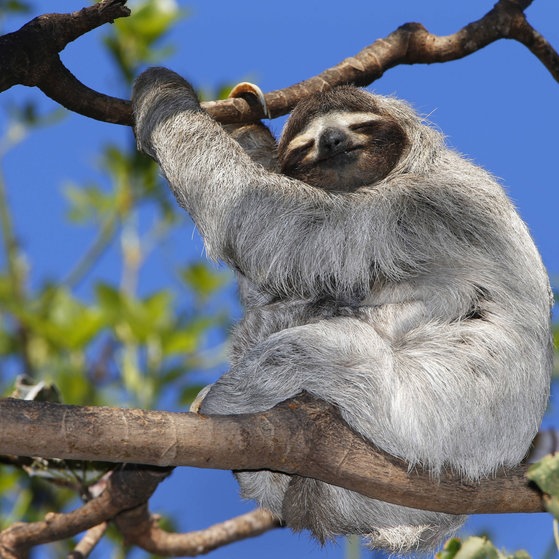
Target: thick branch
64,88
26,56
30,57
124,500
302,436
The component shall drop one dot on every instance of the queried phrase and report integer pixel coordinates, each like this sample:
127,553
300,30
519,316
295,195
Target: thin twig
91,256
88,542
141,529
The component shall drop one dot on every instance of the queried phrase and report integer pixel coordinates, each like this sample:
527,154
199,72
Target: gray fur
417,304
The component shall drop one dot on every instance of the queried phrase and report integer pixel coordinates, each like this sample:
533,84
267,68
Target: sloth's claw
195,406
250,93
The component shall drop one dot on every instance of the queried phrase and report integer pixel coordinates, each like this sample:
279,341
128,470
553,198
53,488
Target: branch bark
127,488
30,57
88,542
409,44
302,436
124,500
141,529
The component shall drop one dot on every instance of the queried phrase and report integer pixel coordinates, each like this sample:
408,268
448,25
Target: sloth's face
344,150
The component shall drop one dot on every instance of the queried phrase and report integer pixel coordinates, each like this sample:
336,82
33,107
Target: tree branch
30,57
127,488
88,542
302,436
409,44
141,529
124,500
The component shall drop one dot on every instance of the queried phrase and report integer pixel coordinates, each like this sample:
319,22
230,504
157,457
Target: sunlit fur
417,303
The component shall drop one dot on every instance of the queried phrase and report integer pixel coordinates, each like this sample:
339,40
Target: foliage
91,341
10,7
545,474
476,548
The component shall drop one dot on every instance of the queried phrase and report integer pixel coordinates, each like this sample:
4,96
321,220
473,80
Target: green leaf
204,281
545,474
88,203
108,296
14,6
135,320
475,548
147,316
61,319
149,20
180,341
7,481
133,39
450,549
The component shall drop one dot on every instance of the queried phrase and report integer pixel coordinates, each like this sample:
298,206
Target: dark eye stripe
297,153
364,126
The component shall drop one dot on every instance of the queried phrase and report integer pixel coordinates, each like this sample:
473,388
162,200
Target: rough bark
302,436
30,57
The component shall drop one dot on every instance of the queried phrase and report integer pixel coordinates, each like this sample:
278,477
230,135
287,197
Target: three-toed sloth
379,271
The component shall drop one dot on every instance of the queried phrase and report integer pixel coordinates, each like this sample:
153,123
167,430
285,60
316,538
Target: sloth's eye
365,126
296,154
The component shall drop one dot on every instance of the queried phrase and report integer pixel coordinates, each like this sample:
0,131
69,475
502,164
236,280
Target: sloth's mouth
339,155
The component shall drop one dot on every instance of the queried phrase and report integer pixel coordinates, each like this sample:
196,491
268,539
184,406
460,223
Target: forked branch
124,500
30,57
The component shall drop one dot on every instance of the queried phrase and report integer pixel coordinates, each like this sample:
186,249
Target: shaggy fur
417,304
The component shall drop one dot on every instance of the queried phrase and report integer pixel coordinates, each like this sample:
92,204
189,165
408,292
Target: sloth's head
340,140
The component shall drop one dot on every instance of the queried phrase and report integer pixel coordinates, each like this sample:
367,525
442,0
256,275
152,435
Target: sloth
379,271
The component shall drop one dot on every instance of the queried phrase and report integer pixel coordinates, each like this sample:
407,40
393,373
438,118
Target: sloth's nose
332,141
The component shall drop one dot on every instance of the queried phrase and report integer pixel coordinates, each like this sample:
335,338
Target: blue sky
498,106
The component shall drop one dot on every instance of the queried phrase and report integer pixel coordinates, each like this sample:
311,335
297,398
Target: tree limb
127,488
409,44
302,436
140,528
88,542
124,500
30,57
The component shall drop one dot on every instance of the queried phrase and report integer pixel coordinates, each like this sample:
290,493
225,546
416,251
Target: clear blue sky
498,106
